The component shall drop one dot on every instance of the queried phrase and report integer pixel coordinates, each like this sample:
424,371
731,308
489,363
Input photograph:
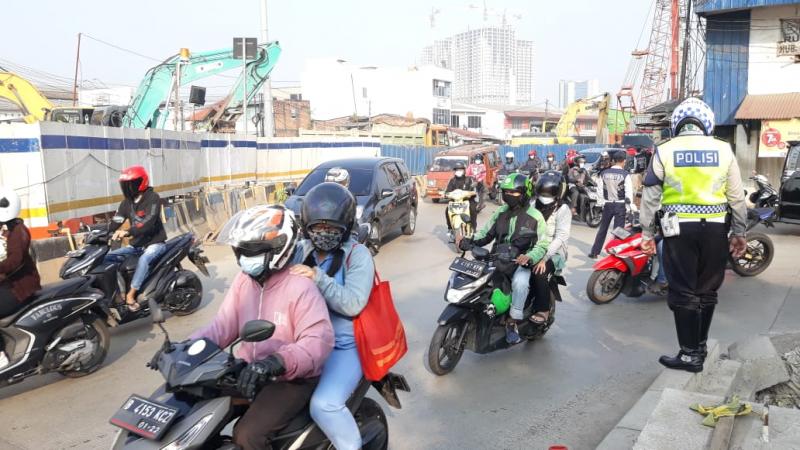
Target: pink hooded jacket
303,332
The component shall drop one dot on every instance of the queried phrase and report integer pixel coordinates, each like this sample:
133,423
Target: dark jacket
464,183
532,165
18,271
144,218
505,226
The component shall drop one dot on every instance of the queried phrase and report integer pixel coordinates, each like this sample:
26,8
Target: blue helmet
694,111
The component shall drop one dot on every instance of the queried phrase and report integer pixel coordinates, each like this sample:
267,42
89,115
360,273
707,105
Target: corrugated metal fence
418,157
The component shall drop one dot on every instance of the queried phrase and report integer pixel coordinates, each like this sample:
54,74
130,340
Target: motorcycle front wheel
604,285
593,215
447,347
756,258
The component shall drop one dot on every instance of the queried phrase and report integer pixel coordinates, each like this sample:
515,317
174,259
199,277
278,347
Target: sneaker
451,237
512,334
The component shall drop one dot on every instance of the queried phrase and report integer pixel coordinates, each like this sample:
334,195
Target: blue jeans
520,283
662,275
340,377
146,258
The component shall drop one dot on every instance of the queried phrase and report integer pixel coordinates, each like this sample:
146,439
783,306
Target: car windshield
637,140
591,157
360,180
792,161
446,163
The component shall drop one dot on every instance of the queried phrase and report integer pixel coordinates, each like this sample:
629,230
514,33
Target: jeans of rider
519,292
541,288
473,215
611,210
8,303
695,263
574,196
274,407
147,256
340,377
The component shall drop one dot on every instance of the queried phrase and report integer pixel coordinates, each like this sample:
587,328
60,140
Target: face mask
511,200
550,159
532,157
459,173
581,165
325,240
546,200
253,265
479,162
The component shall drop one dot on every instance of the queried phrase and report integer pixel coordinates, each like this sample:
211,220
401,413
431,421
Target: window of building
441,88
790,30
441,116
295,97
516,123
474,121
364,92
454,121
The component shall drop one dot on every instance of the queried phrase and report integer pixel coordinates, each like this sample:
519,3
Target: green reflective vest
695,176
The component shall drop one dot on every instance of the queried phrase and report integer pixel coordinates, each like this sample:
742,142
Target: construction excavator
145,111
34,105
565,128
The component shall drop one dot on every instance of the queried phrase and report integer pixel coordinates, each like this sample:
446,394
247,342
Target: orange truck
441,171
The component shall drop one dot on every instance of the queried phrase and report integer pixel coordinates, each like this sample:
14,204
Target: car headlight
185,439
359,211
456,295
432,183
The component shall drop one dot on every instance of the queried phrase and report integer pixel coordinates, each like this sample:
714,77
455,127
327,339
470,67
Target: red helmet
133,181
572,151
532,153
632,151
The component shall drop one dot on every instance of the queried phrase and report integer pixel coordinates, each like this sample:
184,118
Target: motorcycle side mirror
465,218
363,233
118,219
289,191
156,314
257,330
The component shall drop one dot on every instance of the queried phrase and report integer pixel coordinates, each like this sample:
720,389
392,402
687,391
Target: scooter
766,196
179,290
470,320
590,203
62,328
200,399
459,215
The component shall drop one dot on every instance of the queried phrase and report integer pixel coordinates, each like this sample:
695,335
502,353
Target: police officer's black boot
706,314
688,325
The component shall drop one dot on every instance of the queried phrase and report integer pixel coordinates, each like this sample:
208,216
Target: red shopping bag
379,333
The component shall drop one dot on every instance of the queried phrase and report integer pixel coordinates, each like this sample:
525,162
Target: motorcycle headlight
432,183
185,439
457,295
359,211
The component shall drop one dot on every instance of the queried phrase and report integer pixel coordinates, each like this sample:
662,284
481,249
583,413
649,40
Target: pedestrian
617,192
704,183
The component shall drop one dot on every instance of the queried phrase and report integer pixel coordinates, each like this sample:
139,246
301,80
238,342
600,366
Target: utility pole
685,58
546,115
77,63
267,123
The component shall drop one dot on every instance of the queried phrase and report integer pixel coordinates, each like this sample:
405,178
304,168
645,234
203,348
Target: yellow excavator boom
22,93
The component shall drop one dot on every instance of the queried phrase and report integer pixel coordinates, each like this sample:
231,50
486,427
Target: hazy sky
575,39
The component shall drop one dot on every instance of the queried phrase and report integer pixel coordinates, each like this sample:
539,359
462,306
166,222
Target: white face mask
479,162
546,200
459,173
550,159
581,165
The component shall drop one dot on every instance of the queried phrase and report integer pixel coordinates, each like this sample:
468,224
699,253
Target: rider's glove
256,374
465,244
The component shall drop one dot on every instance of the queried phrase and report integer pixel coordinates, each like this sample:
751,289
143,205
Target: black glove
256,374
465,244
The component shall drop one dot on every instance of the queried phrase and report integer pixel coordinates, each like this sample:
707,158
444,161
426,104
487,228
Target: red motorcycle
626,270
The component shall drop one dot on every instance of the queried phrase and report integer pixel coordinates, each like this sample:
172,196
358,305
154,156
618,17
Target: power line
132,52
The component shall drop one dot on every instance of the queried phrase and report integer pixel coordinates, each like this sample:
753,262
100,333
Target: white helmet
692,111
338,175
510,155
9,204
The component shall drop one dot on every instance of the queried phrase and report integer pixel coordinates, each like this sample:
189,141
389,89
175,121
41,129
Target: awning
770,107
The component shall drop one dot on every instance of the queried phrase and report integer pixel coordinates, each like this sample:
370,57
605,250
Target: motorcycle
179,290
628,270
501,177
590,203
200,399
766,196
470,320
459,215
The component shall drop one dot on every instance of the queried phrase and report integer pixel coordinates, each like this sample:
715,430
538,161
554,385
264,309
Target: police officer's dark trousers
695,262
611,210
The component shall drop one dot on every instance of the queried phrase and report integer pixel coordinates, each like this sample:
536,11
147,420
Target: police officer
617,191
696,179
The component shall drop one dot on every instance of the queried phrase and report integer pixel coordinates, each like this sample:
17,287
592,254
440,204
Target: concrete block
784,426
636,417
672,422
718,378
747,431
762,366
619,438
754,347
674,379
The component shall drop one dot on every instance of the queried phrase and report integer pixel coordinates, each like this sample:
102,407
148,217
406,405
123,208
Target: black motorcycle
760,249
179,290
470,320
765,196
590,204
200,399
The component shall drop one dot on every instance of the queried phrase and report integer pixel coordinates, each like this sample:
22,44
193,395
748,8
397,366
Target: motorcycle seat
47,293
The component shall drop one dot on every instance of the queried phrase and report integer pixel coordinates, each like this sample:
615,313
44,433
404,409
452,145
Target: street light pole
268,125
244,80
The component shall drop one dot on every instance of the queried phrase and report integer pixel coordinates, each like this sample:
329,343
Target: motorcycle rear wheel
370,410
444,351
600,289
188,298
757,257
592,216
96,330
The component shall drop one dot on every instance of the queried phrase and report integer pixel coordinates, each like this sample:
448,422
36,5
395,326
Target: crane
24,94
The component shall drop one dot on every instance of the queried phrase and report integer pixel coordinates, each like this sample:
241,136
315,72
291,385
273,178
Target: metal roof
770,106
704,7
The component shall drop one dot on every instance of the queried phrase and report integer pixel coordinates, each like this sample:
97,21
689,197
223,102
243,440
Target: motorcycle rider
533,164
466,183
477,170
602,164
550,163
338,175
577,176
617,193
551,201
141,208
704,182
344,271
263,239
504,227
509,166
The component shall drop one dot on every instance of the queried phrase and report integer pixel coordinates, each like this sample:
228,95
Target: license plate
145,418
468,267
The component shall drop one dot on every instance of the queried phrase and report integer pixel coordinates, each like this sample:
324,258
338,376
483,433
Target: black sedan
385,192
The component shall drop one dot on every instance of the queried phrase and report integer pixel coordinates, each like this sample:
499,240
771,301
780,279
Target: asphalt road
569,388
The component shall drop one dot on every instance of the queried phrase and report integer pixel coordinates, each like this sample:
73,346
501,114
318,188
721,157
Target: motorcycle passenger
477,170
461,181
503,229
19,278
551,201
617,193
550,163
338,175
577,176
509,166
602,164
533,164
569,160
141,208
263,239
344,271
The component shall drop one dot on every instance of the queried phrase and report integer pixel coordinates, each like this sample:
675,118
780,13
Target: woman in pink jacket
263,239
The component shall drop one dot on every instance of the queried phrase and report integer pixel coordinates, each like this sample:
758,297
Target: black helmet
580,159
551,185
478,157
330,204
459,165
